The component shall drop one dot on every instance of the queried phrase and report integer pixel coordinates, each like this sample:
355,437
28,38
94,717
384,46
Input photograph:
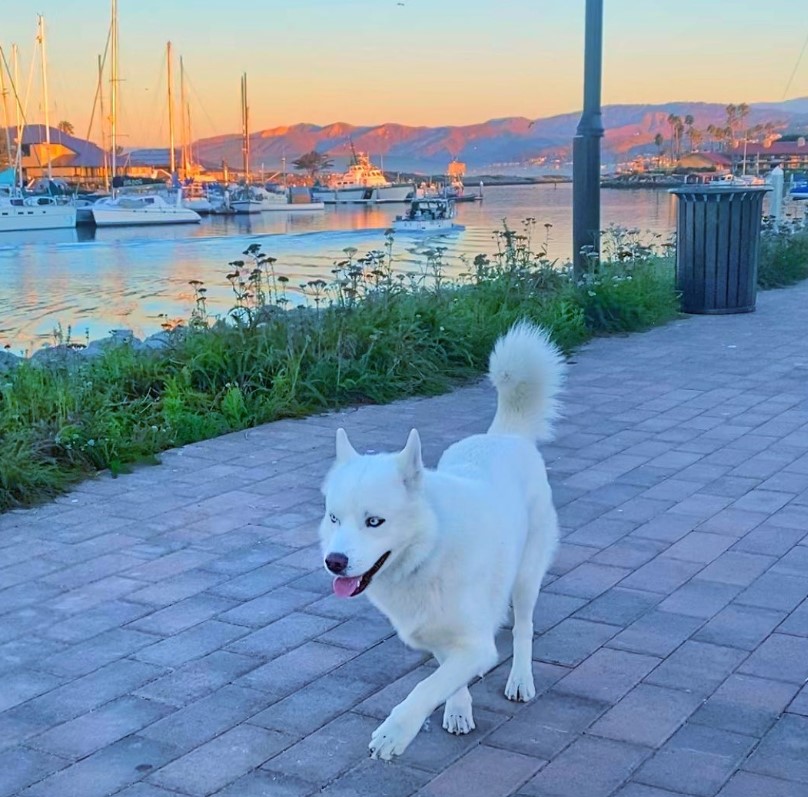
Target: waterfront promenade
172,632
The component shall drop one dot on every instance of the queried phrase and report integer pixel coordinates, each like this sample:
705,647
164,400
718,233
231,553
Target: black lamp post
586,144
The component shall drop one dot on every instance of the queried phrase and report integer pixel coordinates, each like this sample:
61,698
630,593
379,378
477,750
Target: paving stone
746,705
657,633
107,724
797,622
629,552
23,685
547,725
783,753
95,621
257,582
293,670
591,766
198,678
781,657
775,591
551,609
95,652
381,664
794,563
18,653
696,760
278,603
22,766
662,575
144,790
206,718
588,580
83,694
697,667
747,784
221,761
699,547
739,626
182,615
736,567
647,715
770,540
800,703
328,752
607,675
572,640
176,588
699,598
191,644
482,772
106,771
618,606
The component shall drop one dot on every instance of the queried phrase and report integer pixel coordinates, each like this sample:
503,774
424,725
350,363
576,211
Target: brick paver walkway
172,632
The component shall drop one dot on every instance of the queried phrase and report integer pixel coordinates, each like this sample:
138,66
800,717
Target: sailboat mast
4,92
172,154
183,122
114,91
101,121
245,127
41,40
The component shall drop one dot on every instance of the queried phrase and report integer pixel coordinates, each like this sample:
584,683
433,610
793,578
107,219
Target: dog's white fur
465,539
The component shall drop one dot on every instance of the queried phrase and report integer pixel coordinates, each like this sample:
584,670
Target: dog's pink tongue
344,587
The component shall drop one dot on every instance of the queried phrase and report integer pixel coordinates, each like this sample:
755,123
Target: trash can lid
710,189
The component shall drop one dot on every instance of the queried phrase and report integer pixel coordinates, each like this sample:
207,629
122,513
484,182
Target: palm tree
659,140
313,162
66,127
689,123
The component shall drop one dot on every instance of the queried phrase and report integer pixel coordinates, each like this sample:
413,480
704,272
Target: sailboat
143,208
19,213
252,199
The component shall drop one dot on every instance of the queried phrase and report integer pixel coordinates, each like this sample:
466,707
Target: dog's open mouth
351,586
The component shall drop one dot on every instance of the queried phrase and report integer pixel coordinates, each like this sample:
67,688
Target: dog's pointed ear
345,451
410,462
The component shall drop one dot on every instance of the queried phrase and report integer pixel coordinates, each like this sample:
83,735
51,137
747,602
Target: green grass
369,336
783,254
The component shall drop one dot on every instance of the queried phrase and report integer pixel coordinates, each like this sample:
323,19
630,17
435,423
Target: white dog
442,552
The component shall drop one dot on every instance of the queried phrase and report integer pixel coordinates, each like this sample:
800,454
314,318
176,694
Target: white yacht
362,183
35,213
131,210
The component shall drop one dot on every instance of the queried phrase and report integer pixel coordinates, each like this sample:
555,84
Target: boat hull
398,192
246,205
297,206
344,196
110,217
17,218
426,225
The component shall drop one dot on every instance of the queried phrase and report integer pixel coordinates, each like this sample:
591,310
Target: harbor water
94,280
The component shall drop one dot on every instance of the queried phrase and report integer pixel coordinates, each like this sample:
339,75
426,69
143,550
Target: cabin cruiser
141,209
362,183
19,213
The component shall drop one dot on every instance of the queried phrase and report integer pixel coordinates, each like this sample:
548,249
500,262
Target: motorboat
19,213
362,183
799,190
141,209
428,215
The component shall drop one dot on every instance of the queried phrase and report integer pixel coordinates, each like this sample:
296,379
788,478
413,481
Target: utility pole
586,145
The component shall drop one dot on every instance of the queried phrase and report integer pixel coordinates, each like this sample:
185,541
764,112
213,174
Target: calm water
97,280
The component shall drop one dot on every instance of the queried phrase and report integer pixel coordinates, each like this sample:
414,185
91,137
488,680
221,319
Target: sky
416,62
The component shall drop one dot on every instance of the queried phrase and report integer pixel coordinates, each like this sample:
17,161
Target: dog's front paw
520,686
392,737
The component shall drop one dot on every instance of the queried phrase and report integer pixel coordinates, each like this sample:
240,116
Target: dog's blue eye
374,522
333,518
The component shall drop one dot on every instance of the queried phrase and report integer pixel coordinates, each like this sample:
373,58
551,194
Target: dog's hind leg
539,551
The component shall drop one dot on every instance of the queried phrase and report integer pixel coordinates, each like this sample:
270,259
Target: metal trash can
717,247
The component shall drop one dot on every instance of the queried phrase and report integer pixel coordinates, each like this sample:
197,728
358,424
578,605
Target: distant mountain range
630,129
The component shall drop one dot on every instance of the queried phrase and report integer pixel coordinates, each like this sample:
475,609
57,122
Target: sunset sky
420,62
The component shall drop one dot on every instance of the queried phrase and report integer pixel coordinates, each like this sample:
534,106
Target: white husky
442,552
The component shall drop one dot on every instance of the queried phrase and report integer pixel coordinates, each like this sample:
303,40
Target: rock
158,341
8,361
57,355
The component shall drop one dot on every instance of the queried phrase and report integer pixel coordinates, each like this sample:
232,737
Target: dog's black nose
336,563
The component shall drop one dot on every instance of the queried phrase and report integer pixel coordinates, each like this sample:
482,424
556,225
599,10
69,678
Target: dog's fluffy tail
527,370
